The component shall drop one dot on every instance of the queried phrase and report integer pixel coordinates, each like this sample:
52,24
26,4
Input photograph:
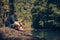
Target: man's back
10,20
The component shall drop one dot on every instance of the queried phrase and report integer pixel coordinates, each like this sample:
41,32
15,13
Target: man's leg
12,26
20,28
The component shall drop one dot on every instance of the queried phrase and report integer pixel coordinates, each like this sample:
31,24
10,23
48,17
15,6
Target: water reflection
47,34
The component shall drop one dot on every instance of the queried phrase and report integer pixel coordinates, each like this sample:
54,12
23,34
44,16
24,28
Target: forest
41,17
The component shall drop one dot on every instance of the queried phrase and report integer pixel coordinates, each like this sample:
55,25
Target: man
12,22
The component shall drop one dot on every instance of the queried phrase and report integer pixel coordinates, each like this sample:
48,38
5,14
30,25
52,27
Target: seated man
13,22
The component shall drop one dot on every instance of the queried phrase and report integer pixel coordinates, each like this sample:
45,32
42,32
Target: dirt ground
7,33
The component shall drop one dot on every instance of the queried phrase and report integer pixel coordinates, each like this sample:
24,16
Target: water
52,35
47,34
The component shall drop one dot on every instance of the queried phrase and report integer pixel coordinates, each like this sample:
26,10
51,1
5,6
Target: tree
1,13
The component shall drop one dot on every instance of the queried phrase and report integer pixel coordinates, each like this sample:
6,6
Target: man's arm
15,21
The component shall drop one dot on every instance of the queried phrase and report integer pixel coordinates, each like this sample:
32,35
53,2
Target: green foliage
20,8
43,10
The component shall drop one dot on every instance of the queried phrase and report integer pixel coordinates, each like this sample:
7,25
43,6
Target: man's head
15,13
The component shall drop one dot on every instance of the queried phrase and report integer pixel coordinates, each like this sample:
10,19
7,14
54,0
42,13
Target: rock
12,34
